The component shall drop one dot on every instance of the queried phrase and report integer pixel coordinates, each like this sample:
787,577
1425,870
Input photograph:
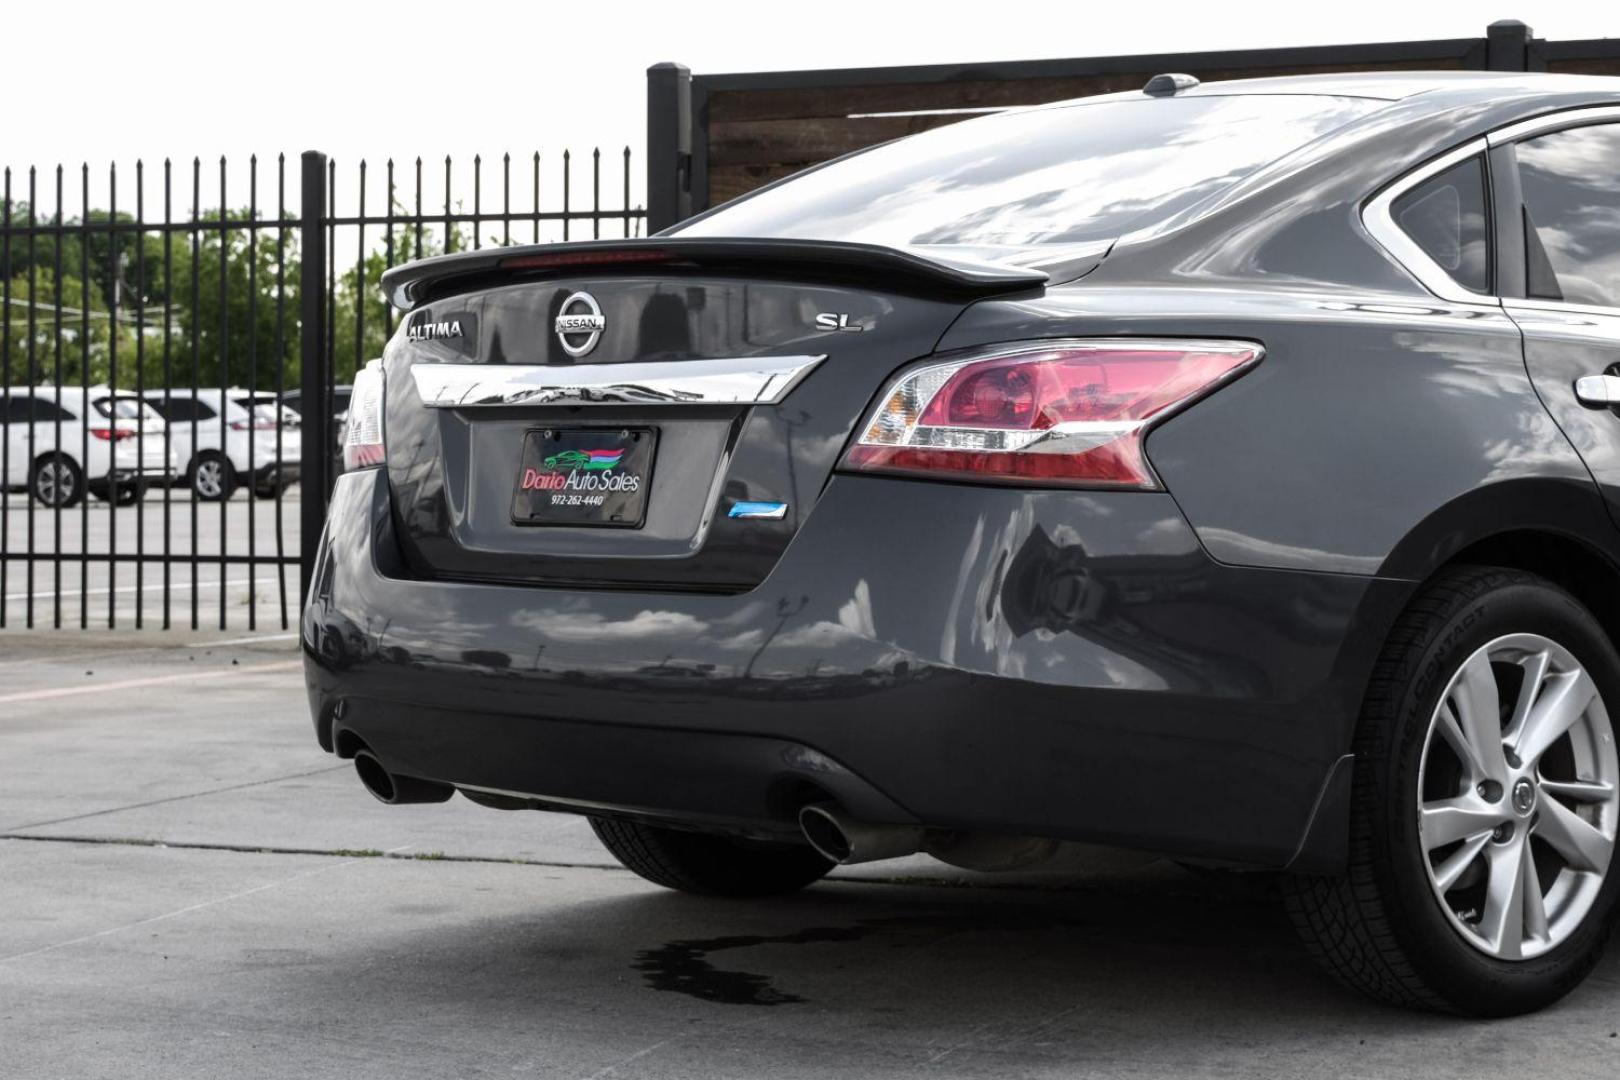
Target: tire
211,477
1428,922
710,865
126,494
56,481
269,491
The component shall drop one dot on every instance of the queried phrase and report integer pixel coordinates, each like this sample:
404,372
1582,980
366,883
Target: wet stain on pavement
682,966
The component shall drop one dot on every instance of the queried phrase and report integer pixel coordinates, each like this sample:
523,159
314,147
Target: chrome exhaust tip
845,841
394,790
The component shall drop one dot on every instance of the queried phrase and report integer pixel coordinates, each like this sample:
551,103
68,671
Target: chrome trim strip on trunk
755,380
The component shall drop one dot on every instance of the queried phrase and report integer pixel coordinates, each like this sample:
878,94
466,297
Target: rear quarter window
1446,216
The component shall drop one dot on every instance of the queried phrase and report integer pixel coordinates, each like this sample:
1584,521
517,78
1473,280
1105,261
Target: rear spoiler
923,270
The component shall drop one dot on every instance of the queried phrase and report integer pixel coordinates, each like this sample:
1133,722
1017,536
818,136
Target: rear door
1559,205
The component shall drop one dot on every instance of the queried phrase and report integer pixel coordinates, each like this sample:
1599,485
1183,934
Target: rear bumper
144,473
1058,664
279,473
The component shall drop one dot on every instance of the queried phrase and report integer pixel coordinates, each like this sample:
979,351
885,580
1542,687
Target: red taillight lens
112,434
257,425
1063,413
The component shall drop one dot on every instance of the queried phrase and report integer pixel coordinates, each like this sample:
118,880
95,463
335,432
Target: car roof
197,391
1450,88
48,391
1397,85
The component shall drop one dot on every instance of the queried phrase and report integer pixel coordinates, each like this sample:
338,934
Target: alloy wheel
1518,797
53,483
209,481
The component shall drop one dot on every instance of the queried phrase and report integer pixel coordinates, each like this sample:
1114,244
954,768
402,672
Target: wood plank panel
726,106
756,136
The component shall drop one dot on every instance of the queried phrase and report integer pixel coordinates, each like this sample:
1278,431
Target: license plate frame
584,477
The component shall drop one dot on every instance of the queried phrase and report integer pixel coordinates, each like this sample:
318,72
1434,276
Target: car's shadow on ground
1162,967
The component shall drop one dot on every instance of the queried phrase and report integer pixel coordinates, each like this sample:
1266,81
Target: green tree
236,297
36,348
182,308
362,317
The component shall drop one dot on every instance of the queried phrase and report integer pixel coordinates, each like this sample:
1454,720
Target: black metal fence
237,305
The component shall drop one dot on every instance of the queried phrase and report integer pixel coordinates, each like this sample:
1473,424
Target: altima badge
433,331
580,324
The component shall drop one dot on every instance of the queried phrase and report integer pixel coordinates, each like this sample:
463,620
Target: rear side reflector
1069,413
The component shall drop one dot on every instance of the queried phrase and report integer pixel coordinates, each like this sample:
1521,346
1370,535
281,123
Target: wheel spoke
1561,703
1479,714
1502,922
1446,821
1573,837
1535,668
1579,791
1535,905
1447,873
1452,733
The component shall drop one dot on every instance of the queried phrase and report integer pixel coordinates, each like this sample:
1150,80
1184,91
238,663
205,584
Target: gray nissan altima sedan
1225,471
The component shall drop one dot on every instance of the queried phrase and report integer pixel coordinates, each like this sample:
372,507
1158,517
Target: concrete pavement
189,888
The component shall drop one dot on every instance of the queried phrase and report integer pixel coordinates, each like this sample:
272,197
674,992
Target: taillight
1058,413
256,425
112,434
363,433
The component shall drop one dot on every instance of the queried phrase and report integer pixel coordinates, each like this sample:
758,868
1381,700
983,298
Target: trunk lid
713,380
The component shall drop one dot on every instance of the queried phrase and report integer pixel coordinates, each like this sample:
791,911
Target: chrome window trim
1536,303
1541,125
1380,222
1546,125
755,380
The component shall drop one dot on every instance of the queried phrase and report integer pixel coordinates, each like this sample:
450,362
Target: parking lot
191,888
60,591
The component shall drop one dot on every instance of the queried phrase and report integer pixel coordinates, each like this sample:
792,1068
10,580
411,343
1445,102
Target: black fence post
669,145
315,432
1507,46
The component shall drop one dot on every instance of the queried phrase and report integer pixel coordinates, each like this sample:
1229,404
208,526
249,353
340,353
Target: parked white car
63,442
226,439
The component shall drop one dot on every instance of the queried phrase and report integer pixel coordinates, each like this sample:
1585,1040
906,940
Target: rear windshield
125,408
268,412
1069,174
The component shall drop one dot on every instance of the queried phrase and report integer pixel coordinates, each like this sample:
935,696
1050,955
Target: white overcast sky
101,82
